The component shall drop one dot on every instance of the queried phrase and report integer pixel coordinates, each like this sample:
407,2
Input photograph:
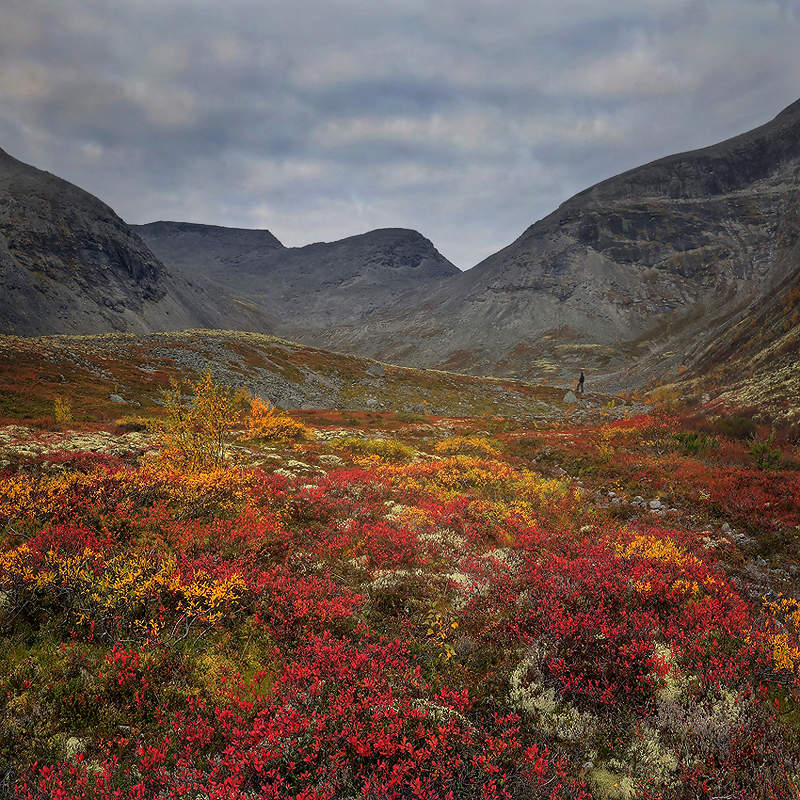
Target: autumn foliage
268,422
445,615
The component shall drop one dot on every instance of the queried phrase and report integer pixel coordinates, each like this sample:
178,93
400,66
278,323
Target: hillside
209,601
753,363
111,375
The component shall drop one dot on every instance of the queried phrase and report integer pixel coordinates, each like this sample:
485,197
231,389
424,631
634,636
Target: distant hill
305,289
208,250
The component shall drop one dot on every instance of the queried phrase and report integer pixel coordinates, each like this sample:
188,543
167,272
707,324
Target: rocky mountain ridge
69,264
621,278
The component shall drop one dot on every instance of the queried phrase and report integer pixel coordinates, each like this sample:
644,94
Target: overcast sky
320,119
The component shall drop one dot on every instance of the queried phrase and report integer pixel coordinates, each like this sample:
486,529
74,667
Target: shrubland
251,606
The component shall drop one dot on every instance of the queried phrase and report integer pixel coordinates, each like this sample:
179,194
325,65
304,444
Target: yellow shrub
468,446
389,449
62,410
195,432
269,422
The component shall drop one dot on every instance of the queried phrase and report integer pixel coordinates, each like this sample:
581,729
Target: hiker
580,383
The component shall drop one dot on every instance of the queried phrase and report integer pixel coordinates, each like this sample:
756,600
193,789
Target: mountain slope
622,277
753,363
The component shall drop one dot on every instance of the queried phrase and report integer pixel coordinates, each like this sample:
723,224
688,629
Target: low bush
693,443
267,422
765,454
390,449
736,426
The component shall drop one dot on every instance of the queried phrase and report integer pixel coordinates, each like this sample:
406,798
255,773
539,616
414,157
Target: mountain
215,252
623,278
306,290
647,275
69,264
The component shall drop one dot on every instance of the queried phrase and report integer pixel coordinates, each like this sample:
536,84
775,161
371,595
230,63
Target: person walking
580,383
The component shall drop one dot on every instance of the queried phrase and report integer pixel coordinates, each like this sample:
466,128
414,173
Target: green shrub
765,454
736,426
525,446
693,443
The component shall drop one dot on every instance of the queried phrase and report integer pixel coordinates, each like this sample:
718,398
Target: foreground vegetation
228,602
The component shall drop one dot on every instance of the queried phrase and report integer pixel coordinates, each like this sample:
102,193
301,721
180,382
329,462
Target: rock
726,528
570,398
656,505
115,398
376,370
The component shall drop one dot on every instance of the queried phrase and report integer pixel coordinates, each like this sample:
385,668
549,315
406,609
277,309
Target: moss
608,785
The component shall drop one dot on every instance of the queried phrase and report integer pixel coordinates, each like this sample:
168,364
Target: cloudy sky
318,119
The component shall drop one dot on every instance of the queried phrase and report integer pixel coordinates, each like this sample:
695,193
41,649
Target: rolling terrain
209,598
670,271
110,375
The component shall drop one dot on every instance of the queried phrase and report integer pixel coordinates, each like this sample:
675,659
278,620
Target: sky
320,119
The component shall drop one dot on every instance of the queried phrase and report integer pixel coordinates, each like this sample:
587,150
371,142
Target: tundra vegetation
223,600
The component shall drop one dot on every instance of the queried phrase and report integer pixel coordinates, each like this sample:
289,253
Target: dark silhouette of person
580,383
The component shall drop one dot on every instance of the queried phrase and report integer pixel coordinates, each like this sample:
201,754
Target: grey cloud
466,119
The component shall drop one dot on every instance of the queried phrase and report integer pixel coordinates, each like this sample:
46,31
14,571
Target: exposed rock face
755,361
67,262
305,289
